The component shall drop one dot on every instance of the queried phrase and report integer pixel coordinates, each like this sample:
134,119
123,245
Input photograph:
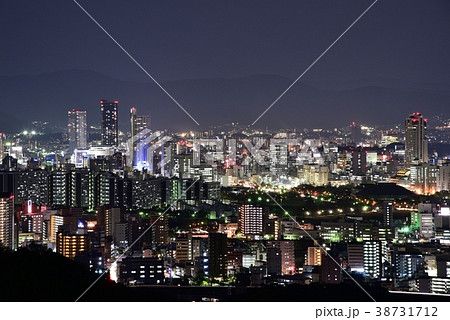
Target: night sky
405,40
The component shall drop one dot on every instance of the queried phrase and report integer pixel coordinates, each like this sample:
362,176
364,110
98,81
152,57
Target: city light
324,199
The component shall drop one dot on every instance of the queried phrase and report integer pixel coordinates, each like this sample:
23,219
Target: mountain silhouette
48,96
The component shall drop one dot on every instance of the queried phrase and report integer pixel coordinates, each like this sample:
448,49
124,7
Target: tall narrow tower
110,127
2,146
138,125
77,129
416,144
7,220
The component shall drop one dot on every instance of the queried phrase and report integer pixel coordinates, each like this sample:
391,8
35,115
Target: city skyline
225,151
347,78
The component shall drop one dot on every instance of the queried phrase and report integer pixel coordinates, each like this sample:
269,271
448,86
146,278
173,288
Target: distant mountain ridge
48,96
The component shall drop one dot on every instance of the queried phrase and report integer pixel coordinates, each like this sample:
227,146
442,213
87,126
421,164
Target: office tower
183,245
314,257
372,259
70,244
278,157
337,231
138,123
443,178
107,219
426,220
359,162
160,229
388,213
200,247
424,178
7,220
183,166
110,127
416,144
139,126
252,220
355,133
77,129
355,256
284,250
217,255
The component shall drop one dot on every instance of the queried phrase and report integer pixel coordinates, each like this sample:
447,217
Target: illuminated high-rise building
55,222
58,188
32,185
281,257
423,178
443,177
6,220
77,129
252,220
138,125
2,146
110,127
160,229
427,212
372,254
416,143
184,247
106,189
81,189
314,257
388,213
107,219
